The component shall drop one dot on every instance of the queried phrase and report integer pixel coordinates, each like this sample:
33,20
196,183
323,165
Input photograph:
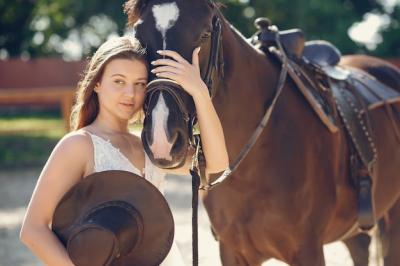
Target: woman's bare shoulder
76,143
73,152
76,140
64,168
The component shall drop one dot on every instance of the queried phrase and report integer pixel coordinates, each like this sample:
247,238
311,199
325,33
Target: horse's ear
134,8
211,3
215,4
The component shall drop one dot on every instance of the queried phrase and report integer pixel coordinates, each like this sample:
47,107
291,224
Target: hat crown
114,218
122,219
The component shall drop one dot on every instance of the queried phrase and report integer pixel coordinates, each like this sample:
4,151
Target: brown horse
292,193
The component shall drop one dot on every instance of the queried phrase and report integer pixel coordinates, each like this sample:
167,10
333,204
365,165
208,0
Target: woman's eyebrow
117,75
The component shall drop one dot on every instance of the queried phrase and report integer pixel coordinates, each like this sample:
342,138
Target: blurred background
44,45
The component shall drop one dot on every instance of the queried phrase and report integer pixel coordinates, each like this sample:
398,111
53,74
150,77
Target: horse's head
180,25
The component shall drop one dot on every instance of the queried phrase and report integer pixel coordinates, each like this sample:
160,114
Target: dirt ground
17,186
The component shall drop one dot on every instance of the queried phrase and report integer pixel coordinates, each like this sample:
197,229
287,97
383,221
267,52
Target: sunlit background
73,29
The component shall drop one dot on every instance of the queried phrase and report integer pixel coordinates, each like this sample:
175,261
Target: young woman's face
122,88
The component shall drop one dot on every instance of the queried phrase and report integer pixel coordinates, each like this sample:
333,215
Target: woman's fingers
168,75
179,60
178,69
195,57
167,62
167,69
172,54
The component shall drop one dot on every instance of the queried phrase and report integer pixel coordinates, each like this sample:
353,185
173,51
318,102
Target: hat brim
125,186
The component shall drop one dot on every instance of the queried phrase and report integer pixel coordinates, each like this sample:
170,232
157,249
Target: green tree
319,19
15,19
390,47
40,27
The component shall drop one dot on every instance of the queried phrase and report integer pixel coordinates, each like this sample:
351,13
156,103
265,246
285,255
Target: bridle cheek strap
214,52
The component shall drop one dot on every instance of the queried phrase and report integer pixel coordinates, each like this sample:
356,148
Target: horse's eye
206,35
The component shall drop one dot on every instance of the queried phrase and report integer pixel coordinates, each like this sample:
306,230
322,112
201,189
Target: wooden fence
45,81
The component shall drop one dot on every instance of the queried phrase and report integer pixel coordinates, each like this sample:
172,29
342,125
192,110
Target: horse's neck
247,69
248,85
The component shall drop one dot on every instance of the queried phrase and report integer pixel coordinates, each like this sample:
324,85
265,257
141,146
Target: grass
32,126
27,141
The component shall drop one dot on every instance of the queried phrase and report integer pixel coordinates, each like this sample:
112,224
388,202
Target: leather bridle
214,52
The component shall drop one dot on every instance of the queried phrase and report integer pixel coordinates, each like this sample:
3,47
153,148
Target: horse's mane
133,8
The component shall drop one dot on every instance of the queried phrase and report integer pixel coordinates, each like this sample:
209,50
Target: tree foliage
40,27
319,19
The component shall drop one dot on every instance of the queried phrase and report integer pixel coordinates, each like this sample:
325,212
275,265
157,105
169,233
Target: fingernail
199,48
153,70
153,62
159,51
157,74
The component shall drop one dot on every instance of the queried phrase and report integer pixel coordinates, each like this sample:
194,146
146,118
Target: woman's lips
129,106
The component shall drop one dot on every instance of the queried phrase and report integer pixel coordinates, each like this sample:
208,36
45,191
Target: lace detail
154,174
108,157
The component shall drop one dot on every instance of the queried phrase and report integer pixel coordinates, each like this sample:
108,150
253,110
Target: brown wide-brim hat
114,218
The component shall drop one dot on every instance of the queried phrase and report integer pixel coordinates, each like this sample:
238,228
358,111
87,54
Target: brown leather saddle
337,94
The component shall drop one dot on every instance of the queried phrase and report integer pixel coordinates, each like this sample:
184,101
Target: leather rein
204,184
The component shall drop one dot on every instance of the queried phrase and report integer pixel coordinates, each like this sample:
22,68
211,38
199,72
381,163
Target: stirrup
366,212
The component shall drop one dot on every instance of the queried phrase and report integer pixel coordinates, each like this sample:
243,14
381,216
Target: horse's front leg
230,257
392,235
309,254
358,247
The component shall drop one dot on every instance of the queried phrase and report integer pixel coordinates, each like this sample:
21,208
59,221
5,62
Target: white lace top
108,157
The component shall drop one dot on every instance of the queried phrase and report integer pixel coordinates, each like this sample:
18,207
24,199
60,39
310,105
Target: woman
110,94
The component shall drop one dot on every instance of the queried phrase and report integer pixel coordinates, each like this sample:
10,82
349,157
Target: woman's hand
188,76
181,71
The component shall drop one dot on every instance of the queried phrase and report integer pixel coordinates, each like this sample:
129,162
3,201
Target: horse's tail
382,70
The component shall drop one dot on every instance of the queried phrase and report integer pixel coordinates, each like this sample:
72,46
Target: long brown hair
86,108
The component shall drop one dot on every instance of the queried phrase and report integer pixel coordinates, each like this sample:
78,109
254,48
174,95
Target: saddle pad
354,96
374,93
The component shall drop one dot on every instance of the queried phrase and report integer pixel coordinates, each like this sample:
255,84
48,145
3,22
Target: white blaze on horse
160,147
165,16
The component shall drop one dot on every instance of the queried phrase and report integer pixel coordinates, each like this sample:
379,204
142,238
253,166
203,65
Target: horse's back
384,71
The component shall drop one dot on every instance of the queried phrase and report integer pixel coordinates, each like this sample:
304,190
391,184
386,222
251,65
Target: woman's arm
188,76
64,168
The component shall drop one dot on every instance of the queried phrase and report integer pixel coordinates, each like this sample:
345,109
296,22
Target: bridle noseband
169,86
